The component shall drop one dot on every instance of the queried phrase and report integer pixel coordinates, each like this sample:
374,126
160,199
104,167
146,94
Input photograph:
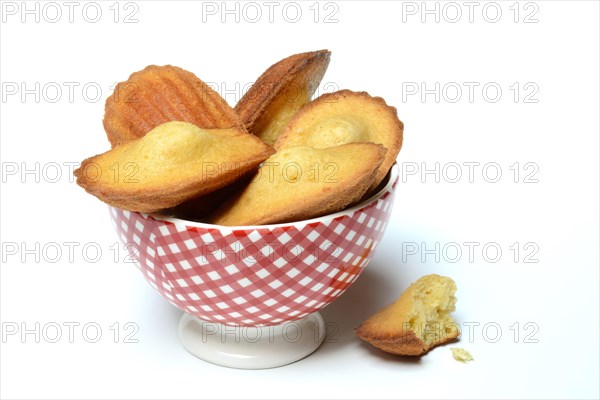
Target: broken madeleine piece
418,321
302,182
174,162
159,94
345,117
280,92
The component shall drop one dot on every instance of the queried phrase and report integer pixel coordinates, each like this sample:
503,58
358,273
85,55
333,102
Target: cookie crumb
461,355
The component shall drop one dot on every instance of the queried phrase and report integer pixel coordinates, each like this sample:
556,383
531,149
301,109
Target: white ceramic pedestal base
252,347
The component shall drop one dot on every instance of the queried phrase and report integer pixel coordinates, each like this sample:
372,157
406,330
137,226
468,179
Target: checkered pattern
262,276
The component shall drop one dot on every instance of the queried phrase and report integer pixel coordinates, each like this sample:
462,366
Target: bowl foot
251,347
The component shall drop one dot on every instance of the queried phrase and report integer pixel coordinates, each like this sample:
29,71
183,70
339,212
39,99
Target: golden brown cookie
198,208
345,117
159,94
418,321
303,182
280,92
174,162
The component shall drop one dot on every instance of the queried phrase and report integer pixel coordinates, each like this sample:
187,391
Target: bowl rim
392,177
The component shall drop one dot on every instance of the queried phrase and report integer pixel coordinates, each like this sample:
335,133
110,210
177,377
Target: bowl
256,276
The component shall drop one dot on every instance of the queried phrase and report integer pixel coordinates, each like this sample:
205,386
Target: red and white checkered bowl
256,275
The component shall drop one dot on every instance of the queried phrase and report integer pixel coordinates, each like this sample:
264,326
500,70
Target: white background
551,212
